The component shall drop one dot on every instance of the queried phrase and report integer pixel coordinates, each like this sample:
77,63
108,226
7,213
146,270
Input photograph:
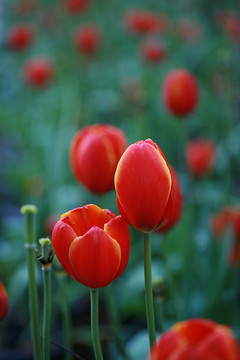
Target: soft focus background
118,86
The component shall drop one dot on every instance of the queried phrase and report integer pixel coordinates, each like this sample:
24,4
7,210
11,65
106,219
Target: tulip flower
200,156
174,206
228,218
38,72
92,245
189,30
143,184
20,37
141,21
152,51
94,154
180,92
3,301
197,339
87,39
76,6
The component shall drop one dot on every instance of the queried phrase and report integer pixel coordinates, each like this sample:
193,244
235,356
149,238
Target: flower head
3,301
92,245
38,71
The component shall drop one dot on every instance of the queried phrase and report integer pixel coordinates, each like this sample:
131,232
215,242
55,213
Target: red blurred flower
180,92
175,202
92,245
94,154
189,30
3,301
228,218
20,37
143,184
76,6
152,50
142,21
196,339
38,72
200,156
24,7
230,23
87,39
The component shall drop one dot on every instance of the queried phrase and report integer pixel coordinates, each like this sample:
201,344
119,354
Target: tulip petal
62,237
83,218
118,229
143,183
95,258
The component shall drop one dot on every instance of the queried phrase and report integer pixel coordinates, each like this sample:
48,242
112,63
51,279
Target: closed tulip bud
200,156
20,37
76,6
87,39
3,301
175,203
197,339
180,92
38,72
152,50
143,184
92,245
141,21
94,155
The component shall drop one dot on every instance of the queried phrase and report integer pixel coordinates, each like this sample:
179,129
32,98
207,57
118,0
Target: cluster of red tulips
92,244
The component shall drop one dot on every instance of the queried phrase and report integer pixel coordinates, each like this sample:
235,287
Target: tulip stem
61,275
148,288
94,324
29,212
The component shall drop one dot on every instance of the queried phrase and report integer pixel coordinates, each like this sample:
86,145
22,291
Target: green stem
65,311
29,212
114,320
148,288
94,324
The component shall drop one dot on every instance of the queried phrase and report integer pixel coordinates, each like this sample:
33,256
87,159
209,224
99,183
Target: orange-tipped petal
95,258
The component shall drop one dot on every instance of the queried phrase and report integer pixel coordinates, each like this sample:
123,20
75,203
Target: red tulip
142,21
174,206
76,6
38,72
152,50
228,218
196,339
87,39
94,154
143,184
180,92
189,30
25,7
230,23
3,301
200,156
92,245
20,37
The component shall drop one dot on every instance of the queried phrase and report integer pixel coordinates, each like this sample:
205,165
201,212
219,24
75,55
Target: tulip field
120,180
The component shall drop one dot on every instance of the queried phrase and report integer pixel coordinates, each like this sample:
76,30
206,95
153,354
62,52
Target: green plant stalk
148,288
114,320
29,212
94,324
65,311
46,311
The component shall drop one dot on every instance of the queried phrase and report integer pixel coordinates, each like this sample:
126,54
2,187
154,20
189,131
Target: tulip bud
3,301
38,72
20,37
197,339
94,154
87,39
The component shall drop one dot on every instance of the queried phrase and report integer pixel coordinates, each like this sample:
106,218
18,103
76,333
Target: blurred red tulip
142,21
196,339
3,301
228,218
24,7
76,6
87,39
38,72
230,23
20,37
200,156
143,184
94,154
92,245
189,30
175,203
180,92
152,50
